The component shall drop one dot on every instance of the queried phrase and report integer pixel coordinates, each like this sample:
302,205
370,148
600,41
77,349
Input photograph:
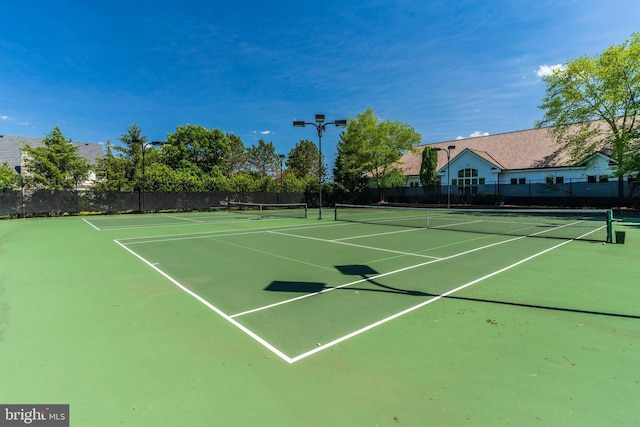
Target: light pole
448,150
281,157
144,146
320,126
18,170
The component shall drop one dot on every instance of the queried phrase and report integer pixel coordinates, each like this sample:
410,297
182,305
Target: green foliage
394,178
9,179
428,166
346,171
196,148
293,184
263,159
161,177
243,182
370,149
195,159
594,103
111,172
131,150
303,160
235,159
57,165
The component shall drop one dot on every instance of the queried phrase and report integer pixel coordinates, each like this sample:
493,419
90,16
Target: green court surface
230,319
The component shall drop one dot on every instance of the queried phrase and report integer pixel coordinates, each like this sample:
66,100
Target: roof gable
486,157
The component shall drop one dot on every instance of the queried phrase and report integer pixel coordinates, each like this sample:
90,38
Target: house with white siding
483,164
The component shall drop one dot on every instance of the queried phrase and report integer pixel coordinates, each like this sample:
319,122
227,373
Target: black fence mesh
58,202
573,194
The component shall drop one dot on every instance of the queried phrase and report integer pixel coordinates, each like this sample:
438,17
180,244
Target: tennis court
373,319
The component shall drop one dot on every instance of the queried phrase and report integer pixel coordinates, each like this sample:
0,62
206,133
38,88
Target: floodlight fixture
298,123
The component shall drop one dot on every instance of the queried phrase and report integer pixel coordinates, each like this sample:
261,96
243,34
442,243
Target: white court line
186,219
243,328
339,242
393,272
210,234
422,304
183,224
90,223
377,276
376,234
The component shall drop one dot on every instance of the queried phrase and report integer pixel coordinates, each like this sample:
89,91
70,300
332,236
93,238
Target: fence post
609,226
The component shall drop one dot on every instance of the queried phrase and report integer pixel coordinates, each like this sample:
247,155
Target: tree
235,159
428,166
303,160
370,149
197,148
593,104
111,172
56,165
347,172
132,152
263,159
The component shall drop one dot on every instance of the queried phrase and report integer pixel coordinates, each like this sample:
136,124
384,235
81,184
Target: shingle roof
10,149
526,149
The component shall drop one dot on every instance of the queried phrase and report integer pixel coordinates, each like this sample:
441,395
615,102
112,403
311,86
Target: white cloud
4,118
475,134
478,133
265,132
547,70
22,123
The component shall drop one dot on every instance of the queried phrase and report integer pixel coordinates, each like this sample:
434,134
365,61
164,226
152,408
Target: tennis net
271,210
582,224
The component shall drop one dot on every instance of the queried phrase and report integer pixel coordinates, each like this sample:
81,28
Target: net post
609,226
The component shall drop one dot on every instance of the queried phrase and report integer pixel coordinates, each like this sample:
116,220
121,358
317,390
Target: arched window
468,181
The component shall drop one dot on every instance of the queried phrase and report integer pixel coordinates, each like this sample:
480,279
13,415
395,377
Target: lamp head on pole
451,147
341,123
319,118
298,123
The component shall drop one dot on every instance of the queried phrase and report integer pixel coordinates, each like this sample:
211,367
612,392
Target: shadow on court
364,272
368,274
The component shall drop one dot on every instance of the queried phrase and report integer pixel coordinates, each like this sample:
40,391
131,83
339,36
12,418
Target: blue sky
450,69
